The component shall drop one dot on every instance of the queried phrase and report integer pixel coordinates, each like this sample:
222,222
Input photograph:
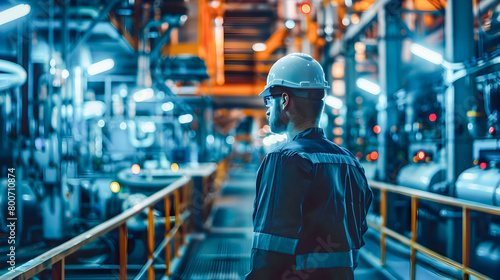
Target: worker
312,196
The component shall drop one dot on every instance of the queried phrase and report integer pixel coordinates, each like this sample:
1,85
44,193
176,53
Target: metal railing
415,195
56,256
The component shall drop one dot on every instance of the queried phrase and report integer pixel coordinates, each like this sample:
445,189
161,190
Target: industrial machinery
95,106
103,103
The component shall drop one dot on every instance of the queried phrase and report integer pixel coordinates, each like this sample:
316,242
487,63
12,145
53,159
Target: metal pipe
16,75
50,87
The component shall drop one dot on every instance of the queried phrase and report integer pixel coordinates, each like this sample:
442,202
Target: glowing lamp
174,167
432,117
305,8
421,155
115,187
135,168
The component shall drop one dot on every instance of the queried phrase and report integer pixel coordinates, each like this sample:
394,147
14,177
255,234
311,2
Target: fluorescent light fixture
426,54
144,94
14,13
290,24
368,86
187,118
259,47
334,102
167,106
101,66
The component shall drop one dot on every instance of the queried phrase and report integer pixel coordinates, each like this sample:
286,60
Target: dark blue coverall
309,212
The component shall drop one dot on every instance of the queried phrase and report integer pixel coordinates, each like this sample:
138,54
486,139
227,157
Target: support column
459,38
350,99
389,51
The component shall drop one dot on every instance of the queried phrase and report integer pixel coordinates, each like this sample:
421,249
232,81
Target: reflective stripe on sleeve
274,243
324,260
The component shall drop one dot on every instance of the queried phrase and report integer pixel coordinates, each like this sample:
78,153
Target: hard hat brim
265,92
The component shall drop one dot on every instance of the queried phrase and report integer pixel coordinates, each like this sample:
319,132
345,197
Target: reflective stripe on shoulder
325,260
328,158
274,243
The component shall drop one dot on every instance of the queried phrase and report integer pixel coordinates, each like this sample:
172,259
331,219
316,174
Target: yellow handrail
56,256
415,195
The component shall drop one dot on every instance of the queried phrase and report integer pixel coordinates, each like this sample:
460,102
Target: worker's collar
311,133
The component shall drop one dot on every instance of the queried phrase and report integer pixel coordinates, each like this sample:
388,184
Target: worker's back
312,200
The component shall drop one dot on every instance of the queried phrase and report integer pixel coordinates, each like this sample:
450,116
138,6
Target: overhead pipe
15,77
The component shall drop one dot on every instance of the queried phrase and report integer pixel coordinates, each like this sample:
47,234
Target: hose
15,77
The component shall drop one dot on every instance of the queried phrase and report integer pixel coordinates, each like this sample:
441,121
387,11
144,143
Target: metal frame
56,256
415,195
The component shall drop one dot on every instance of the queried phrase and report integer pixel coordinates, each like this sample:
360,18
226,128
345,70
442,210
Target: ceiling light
426,54
368,86
167,106
259,47
187,118
334,102
144,94
14,13
100,66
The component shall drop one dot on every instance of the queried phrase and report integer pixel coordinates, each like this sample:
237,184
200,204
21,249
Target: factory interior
132,131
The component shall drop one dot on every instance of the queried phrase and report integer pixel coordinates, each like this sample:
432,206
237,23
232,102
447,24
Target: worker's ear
285,100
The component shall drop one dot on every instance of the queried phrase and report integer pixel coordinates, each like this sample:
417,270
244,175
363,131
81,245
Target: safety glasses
268,100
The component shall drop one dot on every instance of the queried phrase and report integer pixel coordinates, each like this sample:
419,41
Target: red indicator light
373,155
305,8
432,117
492,130
377,129
482,165
421,155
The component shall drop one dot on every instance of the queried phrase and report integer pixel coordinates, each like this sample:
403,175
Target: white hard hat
296,71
